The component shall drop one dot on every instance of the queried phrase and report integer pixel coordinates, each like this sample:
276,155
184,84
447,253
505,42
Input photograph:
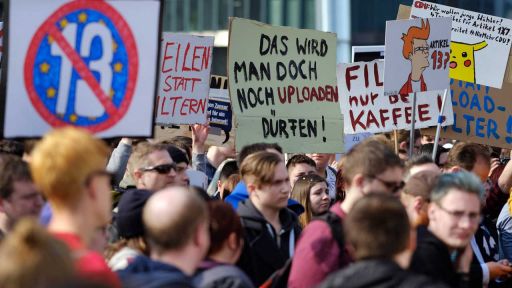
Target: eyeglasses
161,169
421,49
473,217
392,186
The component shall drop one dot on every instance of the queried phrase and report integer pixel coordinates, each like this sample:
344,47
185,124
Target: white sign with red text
185,64
366,109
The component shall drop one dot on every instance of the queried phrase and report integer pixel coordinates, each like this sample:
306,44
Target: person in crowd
226,242
403,139
340,183
31,257
19,197
475,158
118,161
229,185
419,163
182,164
68,166
312,193
178,240
226,169
152,167
444,252
415,196
300,165
240,193
370,166
379,232
442,153
270,229
130,229
12,147
323,169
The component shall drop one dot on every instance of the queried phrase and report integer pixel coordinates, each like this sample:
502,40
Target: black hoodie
262,256
378,274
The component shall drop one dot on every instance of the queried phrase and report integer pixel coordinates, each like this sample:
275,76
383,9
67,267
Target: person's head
257,147
300,165
454,212
176,226
415,47
420,163
229,167
180,158
377,227
152,167
229,185
441,154
267,180
371,166
226,233
321,160
416,195
68,166
184,143
12,147
312,193
18,195
471,157
404,140
31,257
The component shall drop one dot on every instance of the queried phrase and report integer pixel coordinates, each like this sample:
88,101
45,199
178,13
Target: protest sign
481,114
282,84
480,42
89,64
184,79
220,117
220,114
366,109
417,54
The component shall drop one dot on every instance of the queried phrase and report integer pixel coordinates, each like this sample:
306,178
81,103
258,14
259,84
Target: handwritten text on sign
184,79
366,109
283,84
480,43
481,114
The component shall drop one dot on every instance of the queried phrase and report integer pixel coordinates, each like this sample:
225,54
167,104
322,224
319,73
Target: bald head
172,217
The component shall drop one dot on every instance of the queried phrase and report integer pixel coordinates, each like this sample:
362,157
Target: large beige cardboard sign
282,84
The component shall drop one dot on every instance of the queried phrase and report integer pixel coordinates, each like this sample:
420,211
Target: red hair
414,33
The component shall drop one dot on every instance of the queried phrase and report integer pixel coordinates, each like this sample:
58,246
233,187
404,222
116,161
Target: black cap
129,215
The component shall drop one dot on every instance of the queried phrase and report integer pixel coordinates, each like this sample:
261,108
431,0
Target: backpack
280,278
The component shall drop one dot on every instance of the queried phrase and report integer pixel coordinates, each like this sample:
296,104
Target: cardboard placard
366,109
89,64
480,42
184,79
417,54
283,87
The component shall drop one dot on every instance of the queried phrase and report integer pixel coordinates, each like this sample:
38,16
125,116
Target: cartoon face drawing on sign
416,50
462,60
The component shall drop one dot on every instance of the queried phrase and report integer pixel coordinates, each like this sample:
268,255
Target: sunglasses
161,169
392,186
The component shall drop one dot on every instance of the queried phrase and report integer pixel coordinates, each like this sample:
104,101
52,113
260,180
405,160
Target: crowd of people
77,211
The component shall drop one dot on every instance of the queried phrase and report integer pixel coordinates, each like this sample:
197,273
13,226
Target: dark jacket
212,274
378,274
147,273
432,258
261,255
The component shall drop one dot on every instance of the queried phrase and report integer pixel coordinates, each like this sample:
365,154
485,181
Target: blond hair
62,162
259,168
139,157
